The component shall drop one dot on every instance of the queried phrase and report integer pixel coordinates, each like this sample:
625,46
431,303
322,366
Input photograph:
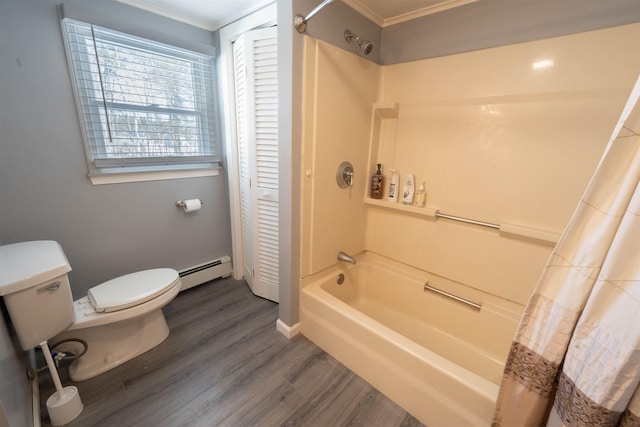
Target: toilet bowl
119,319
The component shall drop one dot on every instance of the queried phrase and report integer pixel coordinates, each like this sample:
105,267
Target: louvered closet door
240,78
255,56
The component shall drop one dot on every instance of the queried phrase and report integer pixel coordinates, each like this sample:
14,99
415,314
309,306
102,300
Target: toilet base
113,344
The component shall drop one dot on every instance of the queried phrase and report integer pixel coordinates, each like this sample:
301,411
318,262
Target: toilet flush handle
50,288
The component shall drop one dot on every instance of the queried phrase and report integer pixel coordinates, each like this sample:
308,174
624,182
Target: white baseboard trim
286,330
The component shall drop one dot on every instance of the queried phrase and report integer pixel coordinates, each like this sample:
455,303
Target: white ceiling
213,14
207,14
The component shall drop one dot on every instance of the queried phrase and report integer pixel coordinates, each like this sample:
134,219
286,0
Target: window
144,105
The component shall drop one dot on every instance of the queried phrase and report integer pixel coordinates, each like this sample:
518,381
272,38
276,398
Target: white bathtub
439,359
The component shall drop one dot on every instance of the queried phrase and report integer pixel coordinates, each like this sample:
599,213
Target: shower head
365,46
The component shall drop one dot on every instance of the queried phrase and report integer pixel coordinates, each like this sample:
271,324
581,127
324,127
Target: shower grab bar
506,229
471,304
467,220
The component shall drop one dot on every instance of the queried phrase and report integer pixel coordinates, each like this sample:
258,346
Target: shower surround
496,135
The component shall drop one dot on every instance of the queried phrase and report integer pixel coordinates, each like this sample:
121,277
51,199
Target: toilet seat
131,289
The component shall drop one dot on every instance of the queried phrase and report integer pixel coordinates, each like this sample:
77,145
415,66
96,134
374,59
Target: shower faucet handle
348,176
344,175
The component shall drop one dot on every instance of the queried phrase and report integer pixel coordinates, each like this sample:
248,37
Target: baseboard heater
202,273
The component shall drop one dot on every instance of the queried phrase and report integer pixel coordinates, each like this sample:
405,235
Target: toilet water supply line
58,356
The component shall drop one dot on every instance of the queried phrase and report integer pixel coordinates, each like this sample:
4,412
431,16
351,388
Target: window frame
145,168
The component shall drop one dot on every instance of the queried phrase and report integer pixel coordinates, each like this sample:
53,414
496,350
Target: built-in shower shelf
398,206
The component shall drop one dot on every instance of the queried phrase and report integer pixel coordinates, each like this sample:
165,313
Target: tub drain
340,280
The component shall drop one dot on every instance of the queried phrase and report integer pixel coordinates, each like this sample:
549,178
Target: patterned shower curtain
575,360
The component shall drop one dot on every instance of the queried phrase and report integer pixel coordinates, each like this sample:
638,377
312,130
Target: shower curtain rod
300,22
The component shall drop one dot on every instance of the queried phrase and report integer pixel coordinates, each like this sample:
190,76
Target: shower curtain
575,359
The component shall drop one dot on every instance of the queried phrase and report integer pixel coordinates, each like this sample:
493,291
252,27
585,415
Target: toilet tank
36,290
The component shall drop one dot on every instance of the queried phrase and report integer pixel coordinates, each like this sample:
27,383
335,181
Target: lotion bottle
394,184
421,196
377,184
408,189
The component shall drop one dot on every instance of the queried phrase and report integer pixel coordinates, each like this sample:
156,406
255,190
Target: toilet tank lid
27,264
132,289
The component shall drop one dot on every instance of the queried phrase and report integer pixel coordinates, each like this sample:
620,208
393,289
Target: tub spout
346,258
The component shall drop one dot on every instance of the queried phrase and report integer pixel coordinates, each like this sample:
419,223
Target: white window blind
142,103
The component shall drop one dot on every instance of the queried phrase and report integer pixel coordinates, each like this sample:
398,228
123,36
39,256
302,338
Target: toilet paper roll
192,205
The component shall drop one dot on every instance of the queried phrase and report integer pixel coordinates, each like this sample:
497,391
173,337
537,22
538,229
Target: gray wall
15,389
329,25
45,193
480,25
105,230
491,23
289,135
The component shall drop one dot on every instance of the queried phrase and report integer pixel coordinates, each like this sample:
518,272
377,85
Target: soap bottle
394,184
377,184
408,189
421,196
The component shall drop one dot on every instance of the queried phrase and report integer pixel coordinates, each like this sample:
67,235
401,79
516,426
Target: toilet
119,319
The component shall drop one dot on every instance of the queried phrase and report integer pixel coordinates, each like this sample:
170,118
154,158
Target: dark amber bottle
377,184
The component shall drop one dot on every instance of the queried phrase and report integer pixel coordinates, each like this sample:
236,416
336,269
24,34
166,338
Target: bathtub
438,358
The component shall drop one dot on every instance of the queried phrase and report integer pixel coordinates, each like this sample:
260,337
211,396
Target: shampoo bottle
394,183
421,196
377,184
408,189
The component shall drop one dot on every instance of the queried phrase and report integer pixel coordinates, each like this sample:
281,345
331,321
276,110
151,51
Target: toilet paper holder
182,204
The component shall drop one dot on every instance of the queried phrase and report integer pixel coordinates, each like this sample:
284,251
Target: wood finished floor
224,364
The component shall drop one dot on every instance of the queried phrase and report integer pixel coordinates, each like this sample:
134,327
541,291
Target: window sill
120,177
